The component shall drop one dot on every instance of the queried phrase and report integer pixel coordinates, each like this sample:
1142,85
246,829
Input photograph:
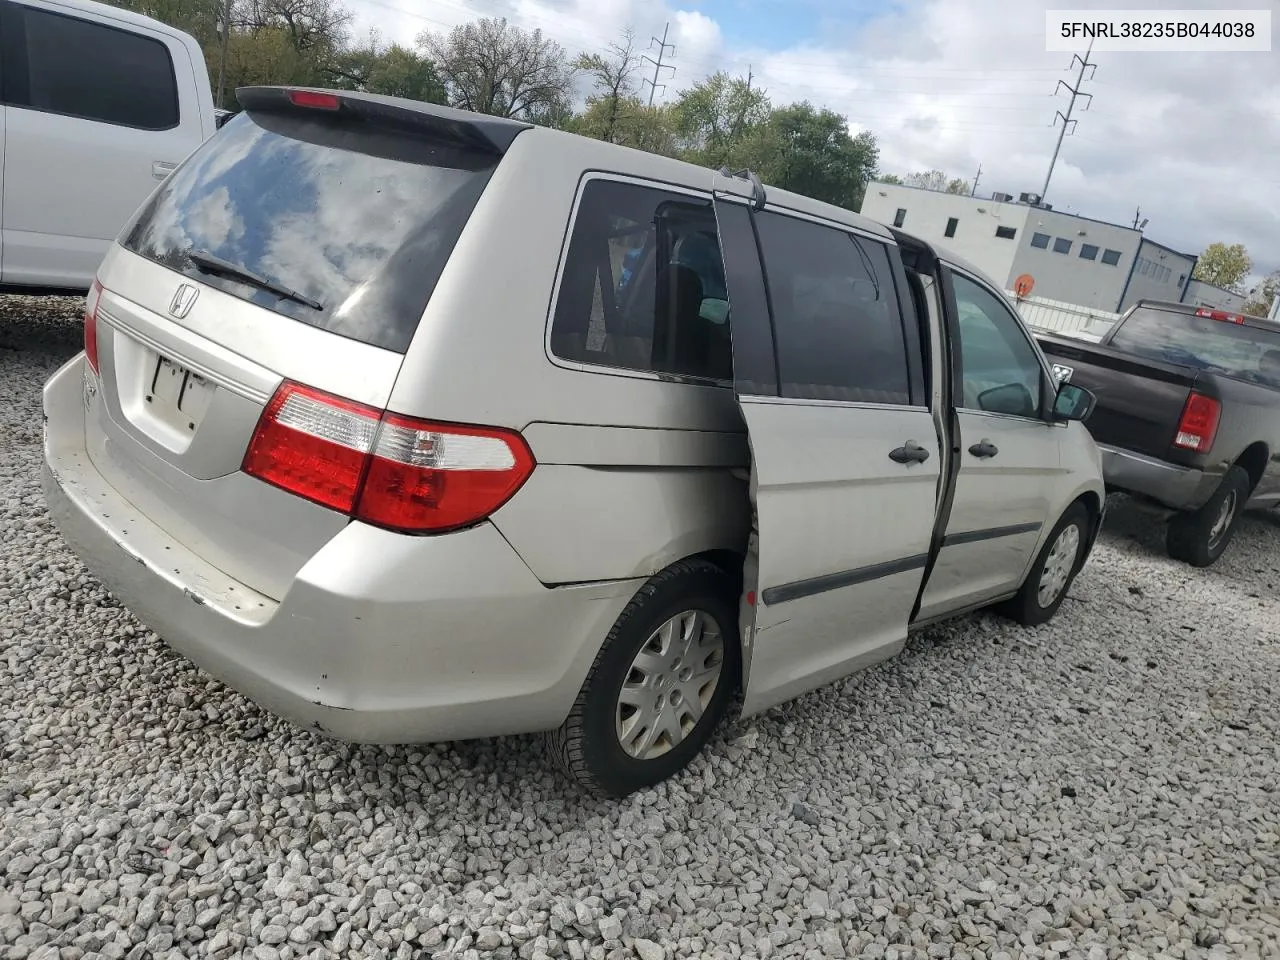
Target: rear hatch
301,243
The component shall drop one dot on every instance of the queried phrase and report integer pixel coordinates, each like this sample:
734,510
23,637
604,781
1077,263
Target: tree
809,151
888,178
958,186
714,117
492,67
611,77
1264,295
200,18
392,71
928,180
1224,266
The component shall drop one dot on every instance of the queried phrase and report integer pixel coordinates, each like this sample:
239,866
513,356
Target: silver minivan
420,425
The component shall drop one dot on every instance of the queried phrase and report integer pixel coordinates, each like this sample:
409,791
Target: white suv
99,105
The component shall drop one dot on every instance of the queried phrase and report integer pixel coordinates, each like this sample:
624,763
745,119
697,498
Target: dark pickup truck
1187,418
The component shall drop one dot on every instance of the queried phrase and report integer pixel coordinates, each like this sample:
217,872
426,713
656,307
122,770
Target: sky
1192,140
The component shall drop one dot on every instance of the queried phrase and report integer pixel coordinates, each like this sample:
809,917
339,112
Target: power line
1066,118
657,64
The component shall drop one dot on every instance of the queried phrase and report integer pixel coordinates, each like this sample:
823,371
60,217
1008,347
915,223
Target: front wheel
1054,570
660,685
1201,536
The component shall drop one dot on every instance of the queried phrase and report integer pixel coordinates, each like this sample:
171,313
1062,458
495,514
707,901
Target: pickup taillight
1198,425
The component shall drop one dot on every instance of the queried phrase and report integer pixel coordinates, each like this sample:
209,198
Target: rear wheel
1201,536
660,685
1054,569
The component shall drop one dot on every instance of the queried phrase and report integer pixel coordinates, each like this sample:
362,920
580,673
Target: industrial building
1103,266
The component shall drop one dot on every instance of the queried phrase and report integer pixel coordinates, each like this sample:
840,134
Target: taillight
314,99
1223,315
382,468
1198,425
91,324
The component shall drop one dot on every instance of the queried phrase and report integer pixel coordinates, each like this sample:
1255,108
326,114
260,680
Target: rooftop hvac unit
1031,198
1002,197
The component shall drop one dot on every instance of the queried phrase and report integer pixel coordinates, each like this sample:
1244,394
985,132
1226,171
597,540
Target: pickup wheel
1051,575
1200,537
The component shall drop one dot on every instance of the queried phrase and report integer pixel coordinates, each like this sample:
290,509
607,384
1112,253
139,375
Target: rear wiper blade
210,263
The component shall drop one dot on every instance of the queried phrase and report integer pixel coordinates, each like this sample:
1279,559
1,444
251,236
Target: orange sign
1024,284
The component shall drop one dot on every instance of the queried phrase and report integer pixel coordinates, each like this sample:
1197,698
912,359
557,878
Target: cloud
954,84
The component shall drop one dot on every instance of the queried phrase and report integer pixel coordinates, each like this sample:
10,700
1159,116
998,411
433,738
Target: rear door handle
162,168
909,452
984,449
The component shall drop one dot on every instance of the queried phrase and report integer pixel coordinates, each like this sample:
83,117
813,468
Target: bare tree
310,24
612,79
490,66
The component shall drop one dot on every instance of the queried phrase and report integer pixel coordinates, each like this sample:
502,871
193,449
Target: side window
643,285
1000,369
83,69
836,319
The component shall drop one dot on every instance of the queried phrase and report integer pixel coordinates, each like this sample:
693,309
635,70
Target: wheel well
730,561
1254,461
1091,502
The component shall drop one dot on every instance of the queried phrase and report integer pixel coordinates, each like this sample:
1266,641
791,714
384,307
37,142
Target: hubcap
1225,514
1057,566
669,685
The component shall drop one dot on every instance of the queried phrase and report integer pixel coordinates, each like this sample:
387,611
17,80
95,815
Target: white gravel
1102,787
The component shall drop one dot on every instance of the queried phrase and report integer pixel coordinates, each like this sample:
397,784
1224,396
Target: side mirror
1073,403
1011,398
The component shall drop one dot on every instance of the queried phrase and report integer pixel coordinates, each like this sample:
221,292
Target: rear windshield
1219,346
359,223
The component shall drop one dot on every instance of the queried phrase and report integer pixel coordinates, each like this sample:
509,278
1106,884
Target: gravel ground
1101,787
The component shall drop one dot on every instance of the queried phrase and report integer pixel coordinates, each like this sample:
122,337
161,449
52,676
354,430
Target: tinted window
366,232
1061,245
1110,257
1006,233
1000,369
835,313
1040,240
643,285
1220,346
84,69
1088,251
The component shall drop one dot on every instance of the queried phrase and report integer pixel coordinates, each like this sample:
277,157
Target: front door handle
909,452
984,449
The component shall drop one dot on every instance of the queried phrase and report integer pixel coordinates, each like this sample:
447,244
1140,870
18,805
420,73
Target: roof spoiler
456,128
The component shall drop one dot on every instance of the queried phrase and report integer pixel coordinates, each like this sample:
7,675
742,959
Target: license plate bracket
178,395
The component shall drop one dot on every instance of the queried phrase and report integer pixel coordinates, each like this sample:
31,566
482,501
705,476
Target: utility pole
749,76
973,192
658,65
222,66
1066,118
1136,215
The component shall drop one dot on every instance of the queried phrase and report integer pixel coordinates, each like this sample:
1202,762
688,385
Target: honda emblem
183,300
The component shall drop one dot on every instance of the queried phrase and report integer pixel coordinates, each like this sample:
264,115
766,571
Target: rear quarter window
80,68
363,222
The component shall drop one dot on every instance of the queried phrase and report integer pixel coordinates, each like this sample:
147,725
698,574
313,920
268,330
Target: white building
1070,258
1203,294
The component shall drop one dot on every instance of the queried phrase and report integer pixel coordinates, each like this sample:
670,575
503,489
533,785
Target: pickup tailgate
1139,401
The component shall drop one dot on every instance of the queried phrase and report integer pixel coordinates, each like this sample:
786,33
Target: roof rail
758,197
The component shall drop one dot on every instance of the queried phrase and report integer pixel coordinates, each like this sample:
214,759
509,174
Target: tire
1201,536
1031,606
588,746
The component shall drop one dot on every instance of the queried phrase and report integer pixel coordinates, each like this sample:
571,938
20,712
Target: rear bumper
1180,488
380,638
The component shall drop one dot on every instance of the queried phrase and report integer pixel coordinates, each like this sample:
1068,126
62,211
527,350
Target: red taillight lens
383,468
1223,315
91,324
1198,426
314,445
316,101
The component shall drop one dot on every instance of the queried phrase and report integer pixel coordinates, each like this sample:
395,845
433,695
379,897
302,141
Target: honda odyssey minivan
420,425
